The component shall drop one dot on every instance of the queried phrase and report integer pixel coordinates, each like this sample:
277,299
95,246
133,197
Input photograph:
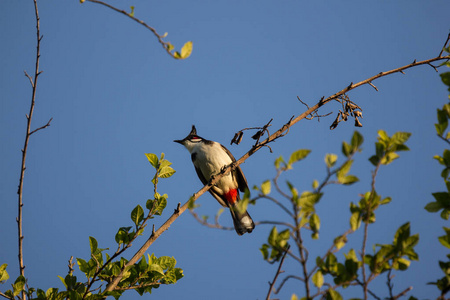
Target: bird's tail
242,221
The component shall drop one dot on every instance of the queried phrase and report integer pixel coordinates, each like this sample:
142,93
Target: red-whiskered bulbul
209,159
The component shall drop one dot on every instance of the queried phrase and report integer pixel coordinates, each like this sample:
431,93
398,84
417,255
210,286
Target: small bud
357,113
357,123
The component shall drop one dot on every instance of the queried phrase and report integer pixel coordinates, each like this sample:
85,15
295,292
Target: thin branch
42,127
403,293
137,286
444,139
286,279
207,224
372,85
366,228
166,45
445,44
25,147
271,285
281,132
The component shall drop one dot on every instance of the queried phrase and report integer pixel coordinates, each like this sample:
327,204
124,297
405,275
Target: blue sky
114,94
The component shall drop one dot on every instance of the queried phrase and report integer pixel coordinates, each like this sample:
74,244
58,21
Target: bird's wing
237,173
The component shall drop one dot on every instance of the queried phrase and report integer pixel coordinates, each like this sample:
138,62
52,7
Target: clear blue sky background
114,94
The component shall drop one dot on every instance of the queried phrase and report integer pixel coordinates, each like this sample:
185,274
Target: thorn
153,230
402,72
371,84
414,61
26,115
350,85
177,210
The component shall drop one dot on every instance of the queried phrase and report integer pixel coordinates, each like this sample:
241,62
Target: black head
192,137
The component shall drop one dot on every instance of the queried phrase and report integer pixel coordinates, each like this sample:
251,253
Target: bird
209,158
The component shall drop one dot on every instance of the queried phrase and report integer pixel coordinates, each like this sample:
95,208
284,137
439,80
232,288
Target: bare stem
272,284
25,147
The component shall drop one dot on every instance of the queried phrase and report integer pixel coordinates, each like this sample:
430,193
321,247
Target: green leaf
330,160
383,136
445,239
345,168
298,155
166,172
340,242
137,215
389,157
433,207
273,236
162,203
3,274
19,285
400,137
93,244
122,236
186,50
333,295
347,180
445,77
346,149
442,198
374,160
315,184
156,268
355,221
132,11
357,140
153,159
265,187
317,279
278,161
169,47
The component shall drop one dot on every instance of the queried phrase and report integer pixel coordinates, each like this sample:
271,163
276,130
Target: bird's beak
179,141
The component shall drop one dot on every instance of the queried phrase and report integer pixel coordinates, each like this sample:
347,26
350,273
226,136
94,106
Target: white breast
210,159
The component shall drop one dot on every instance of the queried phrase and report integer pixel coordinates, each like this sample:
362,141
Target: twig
445,44
42,127
166,45
25,147
372,85
271,284
402,293
366,228
286,279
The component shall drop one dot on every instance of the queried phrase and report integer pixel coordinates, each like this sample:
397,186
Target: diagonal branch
279,133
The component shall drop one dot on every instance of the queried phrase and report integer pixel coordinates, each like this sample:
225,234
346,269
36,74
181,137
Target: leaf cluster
101,267
301,208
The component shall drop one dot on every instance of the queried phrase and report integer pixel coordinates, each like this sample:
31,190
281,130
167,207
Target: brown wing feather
237,173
